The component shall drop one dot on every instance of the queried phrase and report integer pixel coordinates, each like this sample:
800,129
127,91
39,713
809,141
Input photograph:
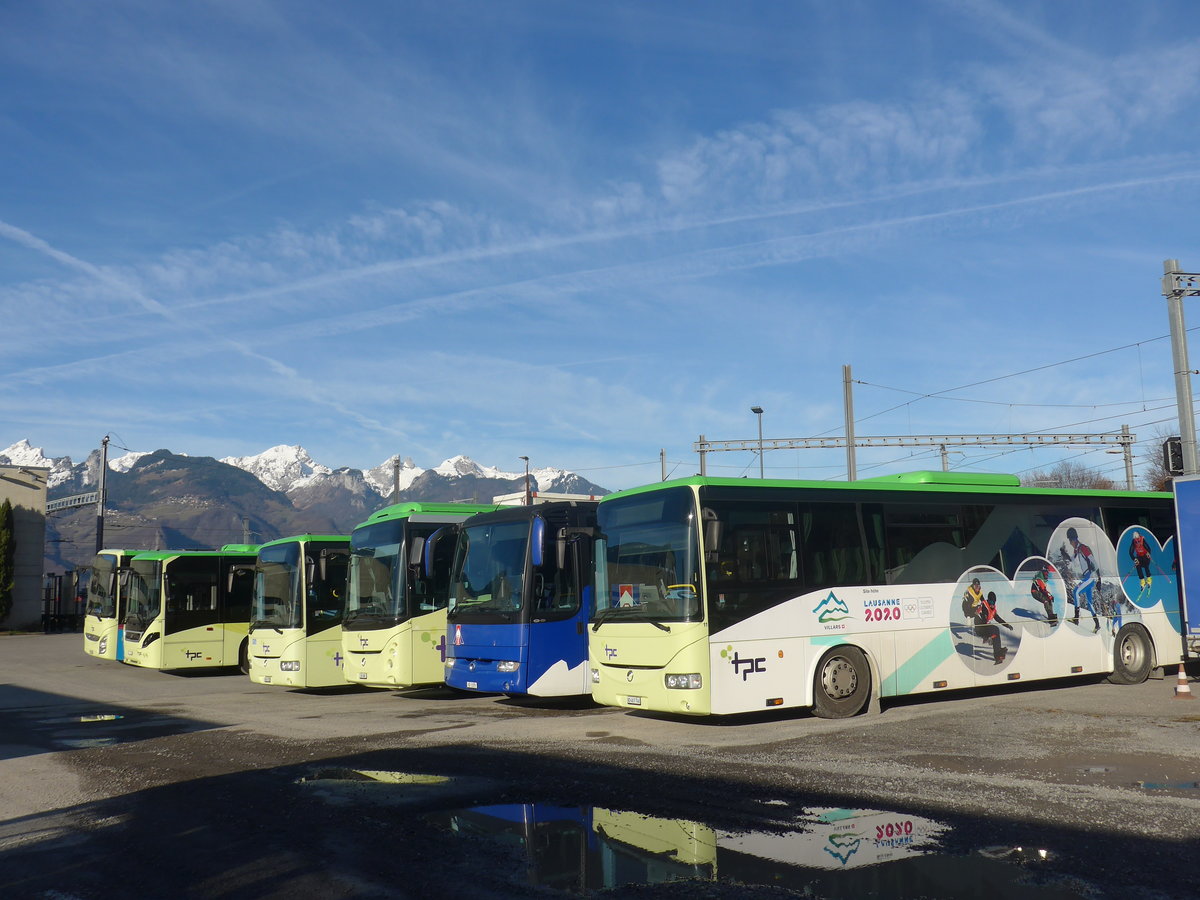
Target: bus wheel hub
839,678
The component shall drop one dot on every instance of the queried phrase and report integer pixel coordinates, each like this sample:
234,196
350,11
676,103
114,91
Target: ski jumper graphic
1140,554
1083,566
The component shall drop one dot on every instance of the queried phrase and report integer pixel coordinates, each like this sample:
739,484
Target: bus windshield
648,558
277,588
102,588
489,569
377,580
144,600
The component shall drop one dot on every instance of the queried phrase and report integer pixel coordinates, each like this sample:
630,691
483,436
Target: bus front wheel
842,684
1131,656
244,658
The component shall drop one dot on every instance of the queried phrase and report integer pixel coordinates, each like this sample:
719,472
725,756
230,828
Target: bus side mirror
234,571
429,545
416,550
712,533
537,541
123,578
326,556
560,548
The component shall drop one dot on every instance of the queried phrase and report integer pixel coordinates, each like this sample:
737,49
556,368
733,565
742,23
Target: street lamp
528,494
757,410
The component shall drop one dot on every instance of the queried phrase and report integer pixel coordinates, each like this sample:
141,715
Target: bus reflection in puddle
838,853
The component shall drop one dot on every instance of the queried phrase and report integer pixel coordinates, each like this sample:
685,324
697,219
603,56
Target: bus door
193,632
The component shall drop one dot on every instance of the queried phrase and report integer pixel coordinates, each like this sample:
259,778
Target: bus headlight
595,676
507,665
289,665
689,682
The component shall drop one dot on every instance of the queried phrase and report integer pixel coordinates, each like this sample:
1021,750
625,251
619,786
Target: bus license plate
473,685
635,701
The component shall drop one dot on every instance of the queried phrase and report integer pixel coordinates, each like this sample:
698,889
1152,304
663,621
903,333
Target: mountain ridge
172,500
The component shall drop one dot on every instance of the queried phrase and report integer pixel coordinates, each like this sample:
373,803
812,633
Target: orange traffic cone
1183,691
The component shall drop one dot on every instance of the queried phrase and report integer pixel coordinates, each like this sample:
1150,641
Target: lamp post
758,411
528,494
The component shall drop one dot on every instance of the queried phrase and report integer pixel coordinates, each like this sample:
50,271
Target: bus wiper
263,623
604,614
666,628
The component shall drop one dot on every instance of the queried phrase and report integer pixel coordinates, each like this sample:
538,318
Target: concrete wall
25,488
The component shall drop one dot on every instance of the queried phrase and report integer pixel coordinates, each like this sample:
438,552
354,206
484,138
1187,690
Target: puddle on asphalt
342,786
1168,785
831,853
375,776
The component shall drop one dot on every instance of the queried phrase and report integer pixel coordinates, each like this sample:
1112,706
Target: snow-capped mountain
280,468
292,470
166,499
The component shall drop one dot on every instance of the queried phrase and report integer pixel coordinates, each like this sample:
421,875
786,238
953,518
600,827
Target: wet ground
119,782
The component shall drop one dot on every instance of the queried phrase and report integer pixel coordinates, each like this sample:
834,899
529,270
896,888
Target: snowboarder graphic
1082,564
982,612
1039,589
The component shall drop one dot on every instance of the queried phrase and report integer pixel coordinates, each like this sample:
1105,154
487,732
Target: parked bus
296,616
394,631
1187,517
104,612
728,595
520,597
189,608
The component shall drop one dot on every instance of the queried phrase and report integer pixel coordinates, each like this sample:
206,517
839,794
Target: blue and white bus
520,597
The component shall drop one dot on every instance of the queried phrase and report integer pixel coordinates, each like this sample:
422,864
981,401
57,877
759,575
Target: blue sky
585,232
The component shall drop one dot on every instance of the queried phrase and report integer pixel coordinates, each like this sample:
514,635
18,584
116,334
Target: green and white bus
104,614
719,596
189,608
394,631
296,618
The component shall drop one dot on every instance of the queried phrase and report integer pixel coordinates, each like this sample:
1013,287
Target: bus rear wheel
842,684
1131,656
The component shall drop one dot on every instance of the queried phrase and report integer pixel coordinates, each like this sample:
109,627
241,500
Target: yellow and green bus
394,631
189,608
719,596
104,613
296,617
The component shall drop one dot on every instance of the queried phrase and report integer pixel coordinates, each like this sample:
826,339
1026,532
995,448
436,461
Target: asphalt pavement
123,782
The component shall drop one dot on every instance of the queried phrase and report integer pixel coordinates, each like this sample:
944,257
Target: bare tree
1067,474
1155,476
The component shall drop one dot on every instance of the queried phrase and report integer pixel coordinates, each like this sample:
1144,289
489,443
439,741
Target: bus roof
917,482
412,507
251,551
305,538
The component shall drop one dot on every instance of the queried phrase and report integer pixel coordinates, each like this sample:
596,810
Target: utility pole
101,491
758,411
662,459
848,404
245,529
1175,286
396,480
528,492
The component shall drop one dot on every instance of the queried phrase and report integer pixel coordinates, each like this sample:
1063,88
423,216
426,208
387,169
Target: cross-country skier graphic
1081,563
